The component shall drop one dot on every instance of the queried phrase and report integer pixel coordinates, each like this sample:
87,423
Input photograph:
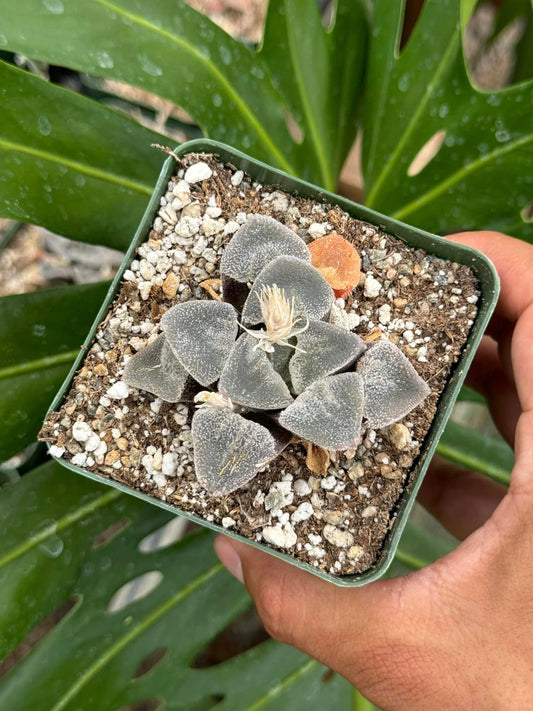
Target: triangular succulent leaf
201,335
323,349
228,449
259,240
157,370
249,379
313,296
392,386
328,413
280,359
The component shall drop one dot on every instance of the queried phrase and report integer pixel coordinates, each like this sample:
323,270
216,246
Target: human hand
457,634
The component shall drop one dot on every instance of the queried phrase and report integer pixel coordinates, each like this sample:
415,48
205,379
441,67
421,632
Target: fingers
329,623
489,377
461,500
513,260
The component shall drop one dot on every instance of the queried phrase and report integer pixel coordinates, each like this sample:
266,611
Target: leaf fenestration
249,378
228,449
392,386
329,412
323,349
258,241
156,369
201,335
313,296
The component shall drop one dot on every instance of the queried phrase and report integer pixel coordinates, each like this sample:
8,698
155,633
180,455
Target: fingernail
229,557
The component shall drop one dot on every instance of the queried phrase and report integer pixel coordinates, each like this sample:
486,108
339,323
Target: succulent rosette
271,365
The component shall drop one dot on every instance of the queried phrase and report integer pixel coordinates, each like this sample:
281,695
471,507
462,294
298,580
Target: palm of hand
457,634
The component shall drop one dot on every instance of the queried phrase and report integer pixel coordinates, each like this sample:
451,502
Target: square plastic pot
431,244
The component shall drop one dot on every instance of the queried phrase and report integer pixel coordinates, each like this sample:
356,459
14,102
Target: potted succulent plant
258,354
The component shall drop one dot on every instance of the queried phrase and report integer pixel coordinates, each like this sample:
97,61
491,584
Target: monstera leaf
480,176
173,51
68,545
70,164
40,336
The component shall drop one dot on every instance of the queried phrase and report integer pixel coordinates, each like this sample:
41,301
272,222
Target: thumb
335,625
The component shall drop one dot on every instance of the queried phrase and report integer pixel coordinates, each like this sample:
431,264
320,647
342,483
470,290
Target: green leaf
479,178
319,73
166,47
40,336
467,394
475,450
70,164
49,521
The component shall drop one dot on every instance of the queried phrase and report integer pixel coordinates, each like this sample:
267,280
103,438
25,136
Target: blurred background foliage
423,110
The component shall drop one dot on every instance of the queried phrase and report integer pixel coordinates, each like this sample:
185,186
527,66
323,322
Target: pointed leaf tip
157,370
328,413
249,378
392,386
313,296
201,335
228,449
258,241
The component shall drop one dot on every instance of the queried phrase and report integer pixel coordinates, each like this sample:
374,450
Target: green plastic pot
264,174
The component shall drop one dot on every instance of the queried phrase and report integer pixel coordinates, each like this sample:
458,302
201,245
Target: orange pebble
338,262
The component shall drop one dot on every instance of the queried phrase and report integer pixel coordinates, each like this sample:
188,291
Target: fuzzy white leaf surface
249,379
201,334
329,412
157,370
313,296
323,349
228,449
392,386
256,243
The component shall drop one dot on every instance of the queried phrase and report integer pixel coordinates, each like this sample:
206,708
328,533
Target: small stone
159,480
337,537
111,457
279,495
301,487
118,391
328,483
100,370
146,270
169,464
316,552
280,537
355,552
79,459
211,227
317,229
236,178
100,450
384,313
122,444
399,302
390,473
356,471
372,287
56,451
81,431
314,539
170,285
228,522
198,172
400,436
369,511
333,517
302,513
408,335
231,227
